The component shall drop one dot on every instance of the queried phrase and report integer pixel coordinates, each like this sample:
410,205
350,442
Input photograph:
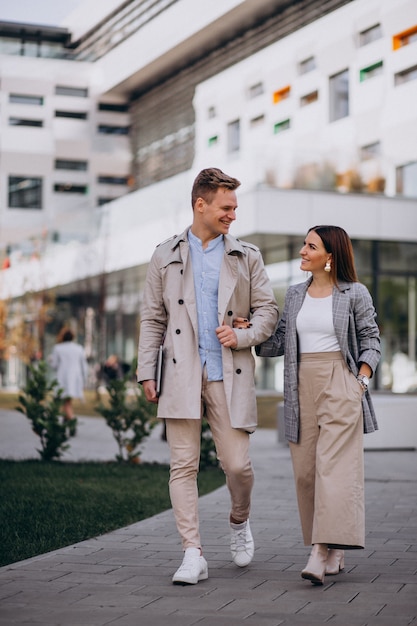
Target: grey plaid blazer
356,331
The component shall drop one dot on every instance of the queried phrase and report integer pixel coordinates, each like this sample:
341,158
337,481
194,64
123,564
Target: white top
315,326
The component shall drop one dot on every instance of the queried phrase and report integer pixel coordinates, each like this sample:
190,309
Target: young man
196,284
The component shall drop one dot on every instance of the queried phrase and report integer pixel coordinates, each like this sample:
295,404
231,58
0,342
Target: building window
371,71
280,126
113,180
10,45
213,140
211,113
257,121
370,34
256,90
406,75
339,95
77,92
102,200
18,98
25,192
68,164
116,108
307,65
281,94
370,151
17,121
233,136
405,38
309,98
74,115
70,188
106,129
22,45
407,179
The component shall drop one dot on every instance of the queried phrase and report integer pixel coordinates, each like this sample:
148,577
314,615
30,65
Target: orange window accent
403,39
281,94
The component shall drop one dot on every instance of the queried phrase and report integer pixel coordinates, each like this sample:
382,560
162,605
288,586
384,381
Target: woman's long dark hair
337,242
65,334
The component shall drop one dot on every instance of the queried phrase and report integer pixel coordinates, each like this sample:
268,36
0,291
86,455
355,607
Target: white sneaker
192,569
242,546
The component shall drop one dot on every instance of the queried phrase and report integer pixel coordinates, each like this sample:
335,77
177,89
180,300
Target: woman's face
313,254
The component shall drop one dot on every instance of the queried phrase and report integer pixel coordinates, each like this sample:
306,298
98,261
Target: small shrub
208,456
41,402
130,417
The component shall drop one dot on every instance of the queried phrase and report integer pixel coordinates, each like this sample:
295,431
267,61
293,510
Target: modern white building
64,144
311,104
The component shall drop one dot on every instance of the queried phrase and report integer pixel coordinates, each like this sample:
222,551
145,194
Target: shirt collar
213,243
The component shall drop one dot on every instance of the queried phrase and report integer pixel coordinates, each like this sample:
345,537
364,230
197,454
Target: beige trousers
232,447
328,459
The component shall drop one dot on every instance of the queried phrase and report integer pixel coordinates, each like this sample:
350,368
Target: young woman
69,362
330,340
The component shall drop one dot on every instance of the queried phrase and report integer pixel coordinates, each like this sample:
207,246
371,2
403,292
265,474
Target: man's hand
149,387
226,336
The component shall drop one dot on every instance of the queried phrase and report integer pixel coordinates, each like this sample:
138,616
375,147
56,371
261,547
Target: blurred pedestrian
112,369
70,364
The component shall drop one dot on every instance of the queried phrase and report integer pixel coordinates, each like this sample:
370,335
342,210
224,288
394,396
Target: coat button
180,301
174,360
182,272
229,313
238,371
178,331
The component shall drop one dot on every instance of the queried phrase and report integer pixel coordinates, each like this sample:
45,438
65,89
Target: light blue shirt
206,270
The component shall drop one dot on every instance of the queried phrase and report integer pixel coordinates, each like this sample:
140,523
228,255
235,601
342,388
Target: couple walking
208,298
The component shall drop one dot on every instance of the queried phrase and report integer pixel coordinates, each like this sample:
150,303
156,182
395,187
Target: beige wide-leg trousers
328,459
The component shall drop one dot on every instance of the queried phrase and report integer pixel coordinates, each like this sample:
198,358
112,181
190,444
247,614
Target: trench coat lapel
227,282
228,274
189,291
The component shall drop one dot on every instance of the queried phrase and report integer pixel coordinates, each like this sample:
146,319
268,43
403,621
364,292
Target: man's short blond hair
208,182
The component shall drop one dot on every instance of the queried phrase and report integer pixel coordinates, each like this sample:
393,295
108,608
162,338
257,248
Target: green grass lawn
46,506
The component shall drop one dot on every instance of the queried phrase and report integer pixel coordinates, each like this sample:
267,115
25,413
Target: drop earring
327,267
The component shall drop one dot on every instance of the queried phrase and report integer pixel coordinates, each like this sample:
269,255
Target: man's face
215,218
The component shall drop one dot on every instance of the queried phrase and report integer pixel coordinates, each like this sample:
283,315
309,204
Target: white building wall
164,40
88,14
31,151
379,111
135,223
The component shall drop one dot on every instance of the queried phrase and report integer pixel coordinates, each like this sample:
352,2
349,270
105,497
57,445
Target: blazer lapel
297,301
341,313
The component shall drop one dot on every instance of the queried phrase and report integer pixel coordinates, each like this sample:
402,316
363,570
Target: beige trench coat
169,308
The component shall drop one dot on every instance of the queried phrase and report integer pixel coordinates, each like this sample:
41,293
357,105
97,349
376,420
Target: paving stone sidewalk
124,578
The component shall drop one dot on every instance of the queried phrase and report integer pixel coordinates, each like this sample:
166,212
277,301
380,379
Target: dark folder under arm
158,374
